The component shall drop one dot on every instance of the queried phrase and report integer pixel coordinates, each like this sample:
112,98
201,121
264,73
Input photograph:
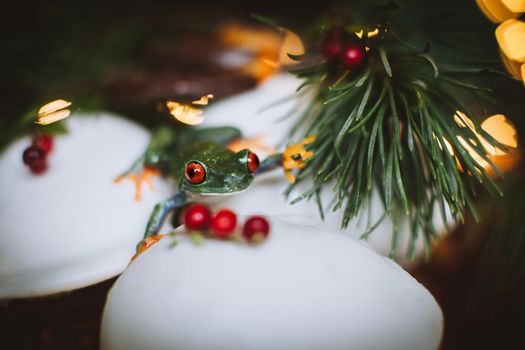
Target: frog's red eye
253,162
195,173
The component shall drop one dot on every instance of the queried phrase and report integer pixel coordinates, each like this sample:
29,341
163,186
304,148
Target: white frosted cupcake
305,287
72,226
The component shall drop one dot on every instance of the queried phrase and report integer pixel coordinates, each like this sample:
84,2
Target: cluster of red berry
344,49
35,156
222,224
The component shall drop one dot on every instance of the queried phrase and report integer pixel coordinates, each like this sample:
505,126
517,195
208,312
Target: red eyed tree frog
200,163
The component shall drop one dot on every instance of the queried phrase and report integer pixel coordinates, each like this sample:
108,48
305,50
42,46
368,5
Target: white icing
306,287
72,226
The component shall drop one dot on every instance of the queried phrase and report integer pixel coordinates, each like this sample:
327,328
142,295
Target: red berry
223,223
333,44
31,153
197,217
35,159
352,56
256,228
332,49
38,166
44,142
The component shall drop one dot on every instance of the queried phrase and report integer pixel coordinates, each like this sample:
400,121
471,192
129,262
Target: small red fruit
197,217
333,44
256,228
223,223
38,166
352,56
44,142
35,159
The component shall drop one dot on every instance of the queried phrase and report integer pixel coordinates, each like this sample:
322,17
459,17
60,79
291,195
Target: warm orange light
270,48
185,113
255,144
203,101
251,39
515,5
53,112
369,34
502,130
292,44
495,10
513,67
511,39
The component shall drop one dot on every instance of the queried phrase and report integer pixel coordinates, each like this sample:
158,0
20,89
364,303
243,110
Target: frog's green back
222,135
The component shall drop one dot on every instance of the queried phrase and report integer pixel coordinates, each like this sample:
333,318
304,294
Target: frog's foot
145,175
254,144
145,244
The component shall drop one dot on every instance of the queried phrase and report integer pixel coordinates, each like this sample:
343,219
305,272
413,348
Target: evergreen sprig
391,126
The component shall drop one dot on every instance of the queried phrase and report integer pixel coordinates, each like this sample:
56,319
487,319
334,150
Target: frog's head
224,173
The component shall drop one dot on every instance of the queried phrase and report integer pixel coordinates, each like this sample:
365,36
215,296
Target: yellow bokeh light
269,47
495,10
53,111
513,67
370,34
53,106
292,44
514,5
53,117
502,130
185,113
254,144
203,101
251,39
511,39
497,126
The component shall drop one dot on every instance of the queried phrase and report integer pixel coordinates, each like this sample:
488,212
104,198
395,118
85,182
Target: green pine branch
388,127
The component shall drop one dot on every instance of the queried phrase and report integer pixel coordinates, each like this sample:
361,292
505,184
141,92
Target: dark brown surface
132,89
64,321
473,317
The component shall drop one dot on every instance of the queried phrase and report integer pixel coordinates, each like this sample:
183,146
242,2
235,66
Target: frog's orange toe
147,175
145,244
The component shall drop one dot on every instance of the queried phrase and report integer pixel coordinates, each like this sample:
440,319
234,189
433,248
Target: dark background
73,48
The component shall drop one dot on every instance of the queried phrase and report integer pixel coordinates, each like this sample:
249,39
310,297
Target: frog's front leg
270,163
161,210
150,163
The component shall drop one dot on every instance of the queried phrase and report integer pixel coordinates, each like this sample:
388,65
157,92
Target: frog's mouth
215,194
